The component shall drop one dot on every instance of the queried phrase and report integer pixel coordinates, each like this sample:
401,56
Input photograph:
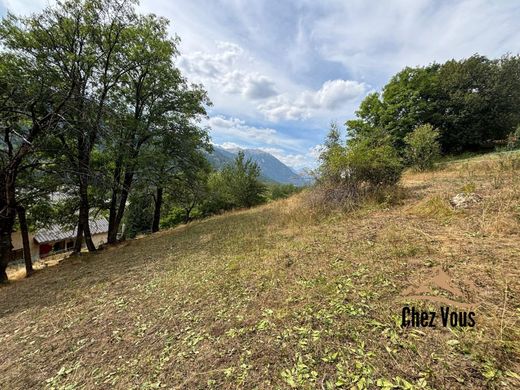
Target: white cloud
251,85
409,33
219,70
332,95
294,160
316,151
282,107
259,88
237,129
230,146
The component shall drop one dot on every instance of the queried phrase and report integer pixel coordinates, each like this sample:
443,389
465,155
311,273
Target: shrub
237,185
359,170
280,191
372,163
423,147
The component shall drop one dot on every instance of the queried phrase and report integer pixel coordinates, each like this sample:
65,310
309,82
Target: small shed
56,239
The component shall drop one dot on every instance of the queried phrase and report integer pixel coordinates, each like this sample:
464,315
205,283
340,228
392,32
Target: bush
237,185
280,191
359,170
372,163
422,147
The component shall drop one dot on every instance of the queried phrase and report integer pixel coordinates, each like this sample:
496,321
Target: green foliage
373,162
359,169
218,198
140,214
280,191
513,139
332,156
364,161
422,147
241,184
473,101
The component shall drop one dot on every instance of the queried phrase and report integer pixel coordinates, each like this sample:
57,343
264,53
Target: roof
59,233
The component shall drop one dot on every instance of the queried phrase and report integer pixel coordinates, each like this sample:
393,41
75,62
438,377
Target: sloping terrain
279,297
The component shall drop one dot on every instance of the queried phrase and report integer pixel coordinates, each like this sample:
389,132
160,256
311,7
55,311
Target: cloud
259,88
237,129
332,95
316,151
294,160
283,107
409,33
230,146
251,85
208,65
218,70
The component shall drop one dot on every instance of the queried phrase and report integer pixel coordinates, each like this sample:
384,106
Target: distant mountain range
272,169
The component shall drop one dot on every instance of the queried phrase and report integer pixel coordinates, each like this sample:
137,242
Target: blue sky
278,72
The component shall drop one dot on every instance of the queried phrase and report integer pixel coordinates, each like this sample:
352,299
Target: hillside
272,169
278,297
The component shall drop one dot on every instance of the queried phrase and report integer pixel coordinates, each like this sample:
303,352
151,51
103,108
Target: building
56,239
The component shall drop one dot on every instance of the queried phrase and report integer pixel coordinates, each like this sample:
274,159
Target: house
56,239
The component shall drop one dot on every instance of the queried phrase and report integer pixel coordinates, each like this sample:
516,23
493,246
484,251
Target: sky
279,71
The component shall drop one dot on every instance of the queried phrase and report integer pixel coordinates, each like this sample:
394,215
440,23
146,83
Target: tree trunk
79,238
112,228
7,218
84,208
117,213
125,191
6,228
157,210
187,217
24,230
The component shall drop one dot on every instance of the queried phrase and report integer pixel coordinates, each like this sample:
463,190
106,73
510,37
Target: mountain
271,168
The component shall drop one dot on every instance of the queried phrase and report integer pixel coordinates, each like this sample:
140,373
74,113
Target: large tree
473,102
152,99
32,99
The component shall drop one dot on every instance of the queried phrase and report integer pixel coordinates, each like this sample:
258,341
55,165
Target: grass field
279,297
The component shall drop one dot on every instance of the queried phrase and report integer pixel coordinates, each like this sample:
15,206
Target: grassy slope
273,297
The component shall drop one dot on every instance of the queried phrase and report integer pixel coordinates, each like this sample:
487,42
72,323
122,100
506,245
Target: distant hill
272,169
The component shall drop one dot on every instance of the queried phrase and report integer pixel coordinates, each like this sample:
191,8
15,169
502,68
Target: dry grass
275,297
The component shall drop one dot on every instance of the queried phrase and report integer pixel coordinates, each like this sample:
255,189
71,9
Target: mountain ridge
271,168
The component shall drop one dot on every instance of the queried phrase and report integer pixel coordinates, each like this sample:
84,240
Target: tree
158,96
332,155
83,43
178,153
190,190
473,101
123,93
423,147
140,214
241,182
30,109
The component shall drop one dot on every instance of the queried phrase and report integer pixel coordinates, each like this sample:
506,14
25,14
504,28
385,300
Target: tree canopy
472,102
